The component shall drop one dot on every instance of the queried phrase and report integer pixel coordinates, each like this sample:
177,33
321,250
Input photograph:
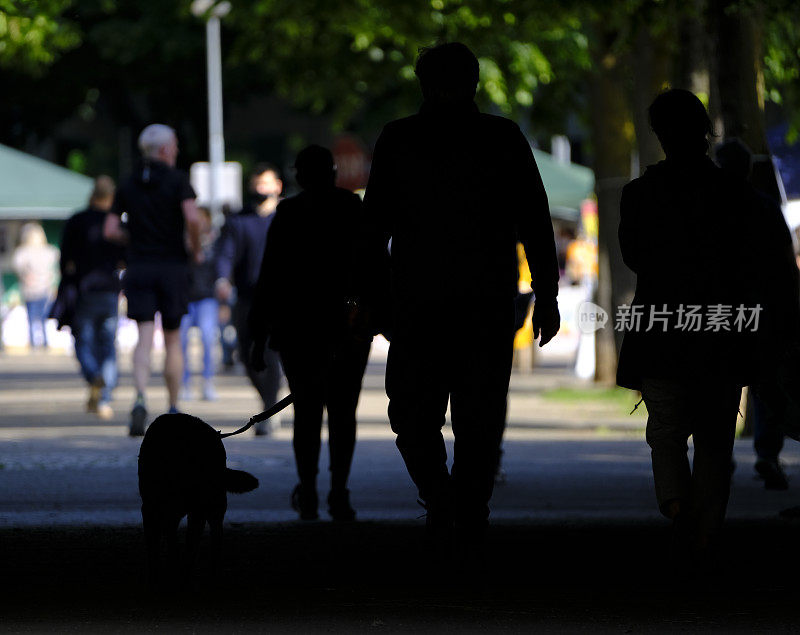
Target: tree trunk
651,71
612,140
741,85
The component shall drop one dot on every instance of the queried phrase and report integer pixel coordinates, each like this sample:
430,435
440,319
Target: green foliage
342,58
782,63
34,32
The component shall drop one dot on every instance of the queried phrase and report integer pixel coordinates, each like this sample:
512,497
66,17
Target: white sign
230,183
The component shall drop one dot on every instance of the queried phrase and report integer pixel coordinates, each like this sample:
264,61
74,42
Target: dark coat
241,247
696,235
307,272
455,190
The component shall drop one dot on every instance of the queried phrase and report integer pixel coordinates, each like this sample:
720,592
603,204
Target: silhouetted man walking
454,190
696,239
300,305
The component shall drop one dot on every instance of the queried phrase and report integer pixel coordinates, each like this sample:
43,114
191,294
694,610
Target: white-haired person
158,205
34,262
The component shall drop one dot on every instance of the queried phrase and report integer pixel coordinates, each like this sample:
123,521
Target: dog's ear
239,482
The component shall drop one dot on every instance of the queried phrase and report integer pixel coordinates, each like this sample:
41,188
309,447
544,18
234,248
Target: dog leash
261,416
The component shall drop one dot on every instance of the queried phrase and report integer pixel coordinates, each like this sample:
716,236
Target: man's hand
546,321
257,355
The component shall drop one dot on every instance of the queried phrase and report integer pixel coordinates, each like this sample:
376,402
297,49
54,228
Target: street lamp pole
216,139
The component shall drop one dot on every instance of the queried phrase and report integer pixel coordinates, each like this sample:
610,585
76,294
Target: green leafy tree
34,32
355,61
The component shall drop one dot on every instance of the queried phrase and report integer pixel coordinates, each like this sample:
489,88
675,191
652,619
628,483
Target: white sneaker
104,411
209,392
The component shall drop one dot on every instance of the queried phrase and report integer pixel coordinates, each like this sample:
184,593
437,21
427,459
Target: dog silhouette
183,472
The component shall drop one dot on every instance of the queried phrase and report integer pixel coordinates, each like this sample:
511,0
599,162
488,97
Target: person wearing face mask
238,265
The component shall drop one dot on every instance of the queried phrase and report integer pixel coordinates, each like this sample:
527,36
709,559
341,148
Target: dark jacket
308,268
695,236
88,260
241,248
455,190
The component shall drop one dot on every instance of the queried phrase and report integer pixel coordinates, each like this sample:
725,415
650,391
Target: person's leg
227,334
343,389
187,322
141,376
266,382
173,302
43,320
36,321
416,384
244,341
478,405
141,358
768,411
30,309
715,408
207,322
140,284
173,365
83,333
669,424
105,344
306,381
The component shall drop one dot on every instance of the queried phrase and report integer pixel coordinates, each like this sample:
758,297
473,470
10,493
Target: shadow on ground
374,577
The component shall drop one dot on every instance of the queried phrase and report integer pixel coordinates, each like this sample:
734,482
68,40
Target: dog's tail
239,482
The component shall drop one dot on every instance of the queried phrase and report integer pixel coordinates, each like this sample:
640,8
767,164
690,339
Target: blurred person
203,310
227,331
769,402
454,283
2,309
695,236
91,264
565,237
238,265
300,306
159,205
34,262
581,260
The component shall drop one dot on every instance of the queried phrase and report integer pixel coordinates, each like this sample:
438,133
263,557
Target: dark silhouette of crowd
313,277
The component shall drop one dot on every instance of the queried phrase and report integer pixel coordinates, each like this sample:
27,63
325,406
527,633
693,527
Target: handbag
63,308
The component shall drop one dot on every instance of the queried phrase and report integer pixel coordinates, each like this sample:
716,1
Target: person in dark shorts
313,239
91,265
238,264
158,204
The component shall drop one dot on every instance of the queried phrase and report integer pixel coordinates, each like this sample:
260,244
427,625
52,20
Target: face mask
259,198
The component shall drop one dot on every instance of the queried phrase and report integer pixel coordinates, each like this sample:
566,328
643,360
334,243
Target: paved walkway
563,461
576,543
